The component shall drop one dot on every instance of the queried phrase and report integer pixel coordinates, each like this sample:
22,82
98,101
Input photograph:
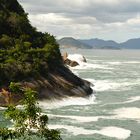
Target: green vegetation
28,123
25,53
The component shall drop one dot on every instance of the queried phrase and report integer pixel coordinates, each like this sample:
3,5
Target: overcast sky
118,20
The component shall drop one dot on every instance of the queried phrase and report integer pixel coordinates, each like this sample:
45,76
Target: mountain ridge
71,42
96,43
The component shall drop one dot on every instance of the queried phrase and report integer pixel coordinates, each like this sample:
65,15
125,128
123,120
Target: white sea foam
114,63
116,132
77,118
111,131
68,102
122,62
132,62
128,113
132,99
104,85
129,100
76,57
82,65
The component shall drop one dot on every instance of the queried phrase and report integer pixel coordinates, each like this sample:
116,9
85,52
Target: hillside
131,44
33,58
99,43
69,42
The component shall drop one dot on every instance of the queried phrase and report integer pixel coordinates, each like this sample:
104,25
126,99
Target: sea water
113,111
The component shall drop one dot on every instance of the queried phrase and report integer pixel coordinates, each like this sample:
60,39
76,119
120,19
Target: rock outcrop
72,61
60,83
68,61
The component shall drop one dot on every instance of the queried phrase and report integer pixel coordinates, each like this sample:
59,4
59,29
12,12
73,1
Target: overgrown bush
29,121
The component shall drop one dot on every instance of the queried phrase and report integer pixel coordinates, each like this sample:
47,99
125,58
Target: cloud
107,19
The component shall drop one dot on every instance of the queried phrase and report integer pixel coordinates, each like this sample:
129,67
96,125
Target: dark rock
74,63
60,83
71,63
84,59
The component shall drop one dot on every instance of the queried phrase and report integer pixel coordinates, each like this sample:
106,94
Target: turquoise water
113,112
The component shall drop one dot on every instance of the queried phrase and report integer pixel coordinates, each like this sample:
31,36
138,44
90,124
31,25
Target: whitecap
77,118
76,57
116,132
111,131
129,100
127,113
132,62
114,63
81,101
132,99
82,65
104,85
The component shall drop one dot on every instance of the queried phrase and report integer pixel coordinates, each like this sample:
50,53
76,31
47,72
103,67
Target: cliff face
61,83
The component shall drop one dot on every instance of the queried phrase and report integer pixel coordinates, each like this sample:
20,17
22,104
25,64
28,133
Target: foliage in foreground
28,122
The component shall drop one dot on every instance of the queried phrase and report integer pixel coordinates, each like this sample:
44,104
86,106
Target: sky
117,20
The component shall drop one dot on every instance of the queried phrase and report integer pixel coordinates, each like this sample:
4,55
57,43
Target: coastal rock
74,63
84,59
70,63
77,57
60,83
73,60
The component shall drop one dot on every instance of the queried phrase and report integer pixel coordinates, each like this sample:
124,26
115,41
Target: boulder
77,57
84,59
74,63
71,63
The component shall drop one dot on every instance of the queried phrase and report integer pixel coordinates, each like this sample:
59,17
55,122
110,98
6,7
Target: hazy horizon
117,20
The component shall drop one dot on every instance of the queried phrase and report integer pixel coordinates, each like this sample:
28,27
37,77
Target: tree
27,122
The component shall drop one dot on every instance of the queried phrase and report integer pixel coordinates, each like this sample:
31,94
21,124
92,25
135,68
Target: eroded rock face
60,83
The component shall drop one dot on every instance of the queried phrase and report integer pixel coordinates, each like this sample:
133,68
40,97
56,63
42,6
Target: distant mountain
69,42
96,43
131,44
99,43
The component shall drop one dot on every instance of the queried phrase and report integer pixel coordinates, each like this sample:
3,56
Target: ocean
113,111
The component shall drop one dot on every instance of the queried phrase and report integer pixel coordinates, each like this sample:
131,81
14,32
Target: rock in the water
65,55
74,63
71,63
73,59
84,59
77,57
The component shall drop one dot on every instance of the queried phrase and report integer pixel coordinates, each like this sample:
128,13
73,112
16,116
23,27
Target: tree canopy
24,52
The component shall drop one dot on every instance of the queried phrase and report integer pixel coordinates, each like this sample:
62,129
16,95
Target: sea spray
80,101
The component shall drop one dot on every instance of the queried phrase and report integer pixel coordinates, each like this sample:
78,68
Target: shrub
27,122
